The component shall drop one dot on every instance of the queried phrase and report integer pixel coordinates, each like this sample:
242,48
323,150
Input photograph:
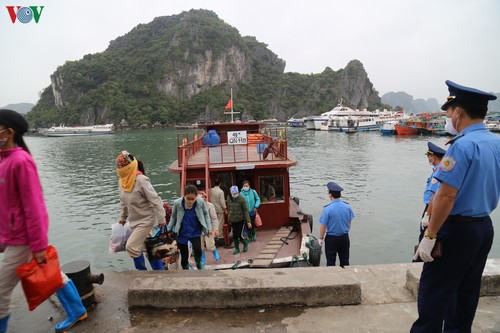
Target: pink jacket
23,215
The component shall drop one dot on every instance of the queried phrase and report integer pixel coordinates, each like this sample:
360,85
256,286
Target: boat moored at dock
231,153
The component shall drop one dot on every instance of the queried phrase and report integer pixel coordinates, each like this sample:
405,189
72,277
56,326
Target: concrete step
490,282
311,286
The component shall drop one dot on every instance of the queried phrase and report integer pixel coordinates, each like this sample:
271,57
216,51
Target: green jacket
202,214
237,209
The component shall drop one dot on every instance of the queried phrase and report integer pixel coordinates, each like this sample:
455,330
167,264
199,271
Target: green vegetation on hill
181,68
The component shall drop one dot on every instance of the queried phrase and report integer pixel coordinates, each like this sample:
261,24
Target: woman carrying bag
190,219
141,205
24,220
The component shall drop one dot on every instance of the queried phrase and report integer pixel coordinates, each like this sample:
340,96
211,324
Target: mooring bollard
79,272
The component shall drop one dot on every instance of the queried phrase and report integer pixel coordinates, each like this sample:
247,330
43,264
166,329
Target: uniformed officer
470,188
336,223
434,155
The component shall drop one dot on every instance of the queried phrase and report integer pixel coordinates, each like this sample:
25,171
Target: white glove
425,221
424,250
320,241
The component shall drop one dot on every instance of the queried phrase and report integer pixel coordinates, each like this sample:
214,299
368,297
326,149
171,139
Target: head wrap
234,189
14,120
126,167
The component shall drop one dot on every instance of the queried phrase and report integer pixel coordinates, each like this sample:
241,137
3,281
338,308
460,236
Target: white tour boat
79,130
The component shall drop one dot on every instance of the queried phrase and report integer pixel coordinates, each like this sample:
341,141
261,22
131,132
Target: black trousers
185,251
449,286
340,245
237,229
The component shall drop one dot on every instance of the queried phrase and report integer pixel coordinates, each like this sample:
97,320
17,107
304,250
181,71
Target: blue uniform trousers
449,286
340,245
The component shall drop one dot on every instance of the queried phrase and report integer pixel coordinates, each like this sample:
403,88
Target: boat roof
193,153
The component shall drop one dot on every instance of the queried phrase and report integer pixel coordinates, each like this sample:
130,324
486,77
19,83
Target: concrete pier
381,298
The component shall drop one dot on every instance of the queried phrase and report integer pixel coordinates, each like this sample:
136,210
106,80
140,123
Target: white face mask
235,195
449,127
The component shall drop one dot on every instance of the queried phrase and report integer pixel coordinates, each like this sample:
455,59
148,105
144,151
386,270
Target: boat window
271,189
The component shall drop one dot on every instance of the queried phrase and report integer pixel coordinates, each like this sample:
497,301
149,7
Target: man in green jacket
237,216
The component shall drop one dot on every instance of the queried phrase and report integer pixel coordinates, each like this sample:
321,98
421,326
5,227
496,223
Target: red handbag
258,220
40,281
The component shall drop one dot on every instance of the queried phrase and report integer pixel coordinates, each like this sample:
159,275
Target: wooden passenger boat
250,151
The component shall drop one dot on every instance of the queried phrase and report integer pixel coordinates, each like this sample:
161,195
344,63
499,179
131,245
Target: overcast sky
404,45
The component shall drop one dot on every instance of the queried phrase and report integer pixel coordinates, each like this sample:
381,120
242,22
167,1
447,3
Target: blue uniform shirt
432,186
337,217
472,166
191,227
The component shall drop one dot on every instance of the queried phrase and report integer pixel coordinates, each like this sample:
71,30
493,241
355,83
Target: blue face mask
245,188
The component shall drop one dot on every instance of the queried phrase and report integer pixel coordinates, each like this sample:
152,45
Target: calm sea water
383,178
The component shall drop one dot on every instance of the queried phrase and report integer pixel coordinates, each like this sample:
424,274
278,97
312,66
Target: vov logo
24,14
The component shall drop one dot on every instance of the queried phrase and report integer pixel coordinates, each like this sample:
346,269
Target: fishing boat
237,151
79,130
423,124
389,127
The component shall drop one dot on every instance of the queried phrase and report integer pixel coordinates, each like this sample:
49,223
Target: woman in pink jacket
24,220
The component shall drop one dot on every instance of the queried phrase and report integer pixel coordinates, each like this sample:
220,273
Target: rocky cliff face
207,70
355,84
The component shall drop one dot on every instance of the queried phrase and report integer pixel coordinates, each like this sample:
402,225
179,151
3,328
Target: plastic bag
39,281
258,220
119,237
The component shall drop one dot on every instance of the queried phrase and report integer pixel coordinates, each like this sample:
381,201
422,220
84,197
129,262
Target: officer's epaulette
454,139
345,202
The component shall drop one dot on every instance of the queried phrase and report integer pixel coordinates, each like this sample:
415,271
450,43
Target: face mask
245,188
235,195
449,127
3,141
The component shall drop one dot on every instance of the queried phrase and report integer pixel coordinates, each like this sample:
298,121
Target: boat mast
232,110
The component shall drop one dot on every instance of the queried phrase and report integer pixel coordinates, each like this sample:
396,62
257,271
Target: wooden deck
271,244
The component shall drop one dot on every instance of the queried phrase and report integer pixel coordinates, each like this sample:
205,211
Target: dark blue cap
466,94
334,187
435,150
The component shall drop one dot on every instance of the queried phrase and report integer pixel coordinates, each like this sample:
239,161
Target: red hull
406,130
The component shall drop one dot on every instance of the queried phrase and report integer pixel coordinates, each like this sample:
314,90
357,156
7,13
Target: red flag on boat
229,105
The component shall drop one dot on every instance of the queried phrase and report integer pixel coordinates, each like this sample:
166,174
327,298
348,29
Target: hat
14,120
466,94
435,150
334,187
124,159
234,189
